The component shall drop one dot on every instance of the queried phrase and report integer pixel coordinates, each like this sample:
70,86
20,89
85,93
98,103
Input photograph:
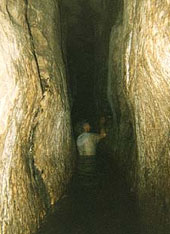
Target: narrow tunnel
81,23
80,44
65,61
111,207
100,203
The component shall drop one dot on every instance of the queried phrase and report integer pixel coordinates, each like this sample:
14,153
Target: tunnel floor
103,207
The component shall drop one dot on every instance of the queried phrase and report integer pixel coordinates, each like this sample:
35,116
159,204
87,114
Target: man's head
86,127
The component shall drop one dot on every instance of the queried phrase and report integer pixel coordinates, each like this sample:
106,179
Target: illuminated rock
139,72
35,132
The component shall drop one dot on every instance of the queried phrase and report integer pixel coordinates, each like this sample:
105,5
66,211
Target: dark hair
83,122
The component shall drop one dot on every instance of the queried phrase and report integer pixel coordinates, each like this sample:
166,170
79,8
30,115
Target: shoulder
82,137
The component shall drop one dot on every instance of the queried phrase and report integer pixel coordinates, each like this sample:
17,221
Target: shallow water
103,206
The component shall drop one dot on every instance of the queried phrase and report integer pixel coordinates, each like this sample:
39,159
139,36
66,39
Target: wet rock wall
139,76
35,132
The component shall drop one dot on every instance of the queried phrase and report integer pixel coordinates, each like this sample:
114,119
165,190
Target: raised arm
102,133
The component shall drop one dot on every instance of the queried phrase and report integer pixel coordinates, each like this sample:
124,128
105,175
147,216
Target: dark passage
78,23
100,203
103,208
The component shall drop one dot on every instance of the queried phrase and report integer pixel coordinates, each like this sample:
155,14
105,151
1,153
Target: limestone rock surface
35,131
139,93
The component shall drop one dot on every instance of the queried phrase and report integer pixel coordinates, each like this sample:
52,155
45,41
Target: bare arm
102,133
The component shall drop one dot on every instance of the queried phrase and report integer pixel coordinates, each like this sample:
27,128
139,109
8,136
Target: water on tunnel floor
103,206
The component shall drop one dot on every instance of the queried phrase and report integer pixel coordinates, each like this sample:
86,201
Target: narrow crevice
33,47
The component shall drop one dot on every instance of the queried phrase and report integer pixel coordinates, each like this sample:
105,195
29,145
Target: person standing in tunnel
87,144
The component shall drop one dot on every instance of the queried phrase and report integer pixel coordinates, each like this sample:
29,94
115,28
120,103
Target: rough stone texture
139,74
35,133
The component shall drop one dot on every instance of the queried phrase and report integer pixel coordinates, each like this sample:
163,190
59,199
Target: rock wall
35,132
139,93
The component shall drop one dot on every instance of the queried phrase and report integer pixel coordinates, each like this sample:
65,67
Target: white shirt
87,143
